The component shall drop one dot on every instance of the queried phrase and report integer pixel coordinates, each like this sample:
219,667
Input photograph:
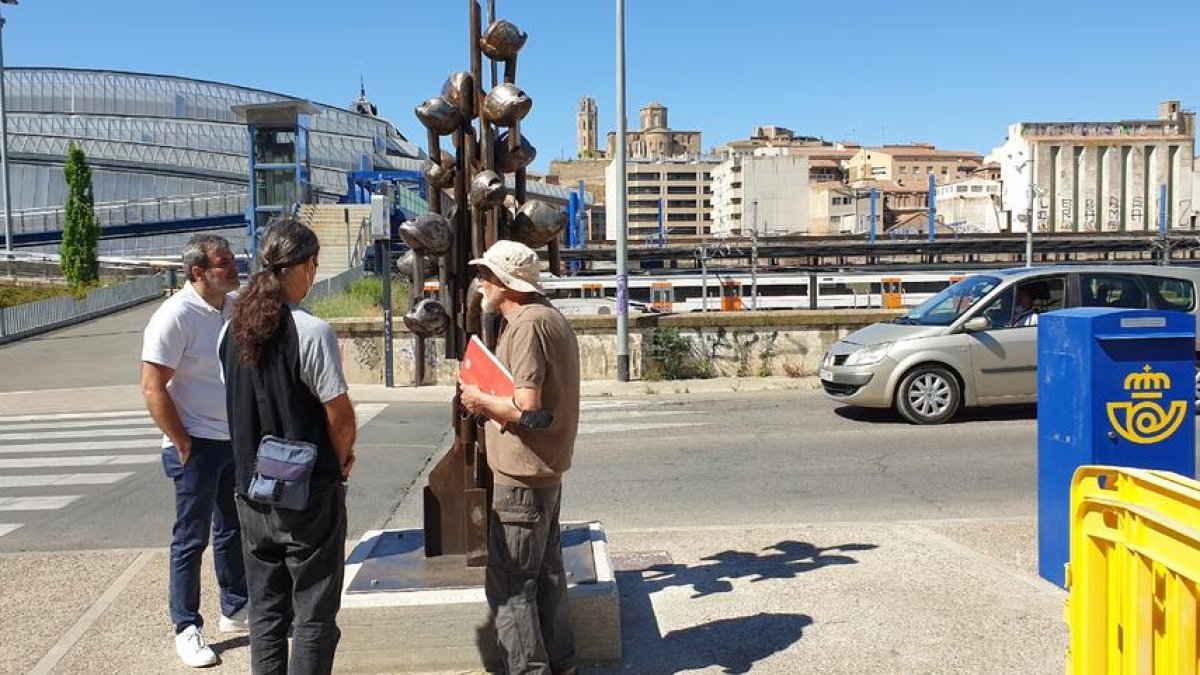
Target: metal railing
133,212
35,317
333,285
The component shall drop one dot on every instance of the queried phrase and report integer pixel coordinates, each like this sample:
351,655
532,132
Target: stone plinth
402,612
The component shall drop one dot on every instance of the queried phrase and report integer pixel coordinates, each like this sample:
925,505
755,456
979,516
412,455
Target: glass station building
155,136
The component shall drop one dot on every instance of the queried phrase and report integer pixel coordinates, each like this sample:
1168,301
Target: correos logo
1143,419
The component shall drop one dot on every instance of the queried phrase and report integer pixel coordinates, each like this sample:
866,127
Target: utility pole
754,258
622,225
1029,215
703,254
8,235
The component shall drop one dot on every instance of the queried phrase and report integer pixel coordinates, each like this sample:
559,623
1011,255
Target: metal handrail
154,209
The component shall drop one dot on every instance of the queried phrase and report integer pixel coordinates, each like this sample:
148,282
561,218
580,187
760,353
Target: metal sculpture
458,495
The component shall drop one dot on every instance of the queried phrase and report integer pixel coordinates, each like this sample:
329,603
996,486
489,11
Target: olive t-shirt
539,349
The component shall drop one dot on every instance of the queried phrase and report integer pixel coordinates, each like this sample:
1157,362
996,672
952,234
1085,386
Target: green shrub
20,295
674,357
362,298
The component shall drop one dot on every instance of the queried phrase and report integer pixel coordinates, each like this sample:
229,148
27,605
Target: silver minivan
975,342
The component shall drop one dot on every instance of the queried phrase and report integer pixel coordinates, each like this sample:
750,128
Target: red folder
481,368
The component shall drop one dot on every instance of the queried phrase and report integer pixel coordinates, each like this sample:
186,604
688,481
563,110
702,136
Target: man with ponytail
283,376
181,382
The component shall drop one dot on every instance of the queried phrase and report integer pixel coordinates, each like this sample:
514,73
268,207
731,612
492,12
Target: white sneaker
193,650
238,623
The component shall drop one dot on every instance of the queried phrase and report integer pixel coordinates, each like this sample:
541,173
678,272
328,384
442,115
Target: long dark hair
260,307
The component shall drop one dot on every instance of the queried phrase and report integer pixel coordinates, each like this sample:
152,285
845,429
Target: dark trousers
295,565
525,583
204,500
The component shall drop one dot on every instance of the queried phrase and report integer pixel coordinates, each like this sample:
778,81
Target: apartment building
766,192
912,164
826,159
675,191
1119,176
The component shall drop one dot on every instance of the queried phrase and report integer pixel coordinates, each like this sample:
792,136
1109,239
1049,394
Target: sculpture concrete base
405,613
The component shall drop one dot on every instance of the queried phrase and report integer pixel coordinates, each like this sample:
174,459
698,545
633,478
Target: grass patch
11,295
363,298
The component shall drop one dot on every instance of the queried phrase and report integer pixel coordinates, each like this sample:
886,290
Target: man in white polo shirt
181,383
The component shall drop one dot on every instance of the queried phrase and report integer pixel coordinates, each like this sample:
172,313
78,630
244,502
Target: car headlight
869,355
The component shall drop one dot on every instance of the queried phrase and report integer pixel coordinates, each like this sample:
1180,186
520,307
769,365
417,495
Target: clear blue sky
952,72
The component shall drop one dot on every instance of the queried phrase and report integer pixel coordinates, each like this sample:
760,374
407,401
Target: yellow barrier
1134,572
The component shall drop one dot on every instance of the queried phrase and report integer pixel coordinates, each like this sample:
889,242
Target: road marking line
83,460
36,503
605,405
45,480
5,528
77,631
57,424
82,433
603,428
130,444
590,415
365,412
73,416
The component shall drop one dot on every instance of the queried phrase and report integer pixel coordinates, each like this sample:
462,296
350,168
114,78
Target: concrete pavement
924,590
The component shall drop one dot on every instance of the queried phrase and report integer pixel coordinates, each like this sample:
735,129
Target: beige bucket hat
514,264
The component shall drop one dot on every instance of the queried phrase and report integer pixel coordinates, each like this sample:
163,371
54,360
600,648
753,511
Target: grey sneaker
193,650
238,623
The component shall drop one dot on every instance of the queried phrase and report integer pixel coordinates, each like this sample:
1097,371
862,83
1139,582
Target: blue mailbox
1116,387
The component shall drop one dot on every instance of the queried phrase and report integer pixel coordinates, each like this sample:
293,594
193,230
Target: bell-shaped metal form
457,90
509,160
404,266
427,319
537,223
487,190
502,40
439,115
439,175
429,234
506,104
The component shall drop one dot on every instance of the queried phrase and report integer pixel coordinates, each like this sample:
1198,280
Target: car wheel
928,395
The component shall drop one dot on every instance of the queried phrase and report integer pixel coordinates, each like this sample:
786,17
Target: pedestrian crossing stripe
47,503
80,433
74,416
50,480
130,444
73,424
82,460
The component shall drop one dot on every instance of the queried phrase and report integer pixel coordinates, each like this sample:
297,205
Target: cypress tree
80,231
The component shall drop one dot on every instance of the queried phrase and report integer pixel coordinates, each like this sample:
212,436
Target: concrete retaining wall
744,344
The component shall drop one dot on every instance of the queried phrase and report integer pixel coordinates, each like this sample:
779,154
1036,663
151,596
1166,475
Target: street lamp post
1029,211
622,226
8,242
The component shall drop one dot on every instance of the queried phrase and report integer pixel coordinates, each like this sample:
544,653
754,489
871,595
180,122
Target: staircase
342,244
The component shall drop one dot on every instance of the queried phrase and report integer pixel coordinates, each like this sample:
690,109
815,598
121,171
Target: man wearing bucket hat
528,450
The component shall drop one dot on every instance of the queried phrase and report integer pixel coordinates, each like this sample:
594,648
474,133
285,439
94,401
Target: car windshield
943,308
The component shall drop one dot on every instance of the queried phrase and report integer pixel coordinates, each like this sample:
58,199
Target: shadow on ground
997,413
733,644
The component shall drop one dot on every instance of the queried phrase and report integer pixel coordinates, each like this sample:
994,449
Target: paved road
98,353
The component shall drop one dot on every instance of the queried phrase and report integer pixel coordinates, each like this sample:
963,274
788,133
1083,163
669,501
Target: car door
1004,357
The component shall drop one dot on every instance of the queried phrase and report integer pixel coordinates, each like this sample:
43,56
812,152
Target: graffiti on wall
1089,213
1136,212
1114,212
1067,209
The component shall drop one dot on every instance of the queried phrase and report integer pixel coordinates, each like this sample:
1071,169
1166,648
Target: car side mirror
977,325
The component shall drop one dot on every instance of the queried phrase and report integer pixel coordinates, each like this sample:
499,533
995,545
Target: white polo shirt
182,335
